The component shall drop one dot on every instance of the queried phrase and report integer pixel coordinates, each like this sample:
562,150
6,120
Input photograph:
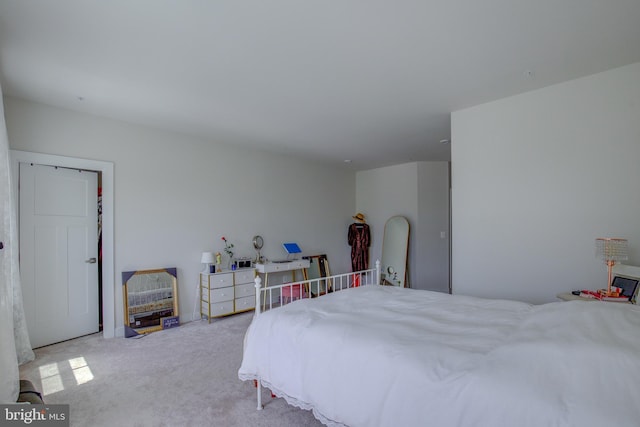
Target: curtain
15,348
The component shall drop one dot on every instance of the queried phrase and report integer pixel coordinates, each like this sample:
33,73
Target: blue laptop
292,249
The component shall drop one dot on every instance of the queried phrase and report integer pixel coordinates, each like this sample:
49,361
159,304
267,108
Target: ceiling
369,81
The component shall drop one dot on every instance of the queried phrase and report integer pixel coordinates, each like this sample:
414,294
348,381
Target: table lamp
207,258
611,250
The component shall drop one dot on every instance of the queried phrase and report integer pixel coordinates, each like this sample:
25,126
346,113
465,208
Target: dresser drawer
245,303
245,276
218,308
218,294
245,290
221,280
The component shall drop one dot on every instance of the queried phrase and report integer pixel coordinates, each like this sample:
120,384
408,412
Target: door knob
91,261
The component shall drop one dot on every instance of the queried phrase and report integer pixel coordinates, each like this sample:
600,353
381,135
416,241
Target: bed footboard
271,297
308,289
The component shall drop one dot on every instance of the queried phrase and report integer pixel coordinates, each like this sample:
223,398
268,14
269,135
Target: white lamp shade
207,258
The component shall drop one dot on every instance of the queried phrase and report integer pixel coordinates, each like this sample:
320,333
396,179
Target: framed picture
318,269
150,300
627,284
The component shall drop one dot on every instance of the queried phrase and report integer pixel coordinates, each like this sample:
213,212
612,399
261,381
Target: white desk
281,267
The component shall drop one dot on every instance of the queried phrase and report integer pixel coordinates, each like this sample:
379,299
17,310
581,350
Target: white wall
536,178
418,191
432,249
176,195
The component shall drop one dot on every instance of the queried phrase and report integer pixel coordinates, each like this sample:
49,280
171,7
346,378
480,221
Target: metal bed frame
321,286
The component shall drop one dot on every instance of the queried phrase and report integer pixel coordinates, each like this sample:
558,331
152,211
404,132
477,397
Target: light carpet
186,376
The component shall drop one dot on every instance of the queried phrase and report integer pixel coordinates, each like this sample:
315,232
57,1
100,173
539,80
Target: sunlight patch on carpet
81,370
52,379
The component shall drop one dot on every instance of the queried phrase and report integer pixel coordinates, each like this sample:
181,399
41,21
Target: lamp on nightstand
207,259
611,250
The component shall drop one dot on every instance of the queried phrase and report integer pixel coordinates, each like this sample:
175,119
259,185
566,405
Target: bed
384,356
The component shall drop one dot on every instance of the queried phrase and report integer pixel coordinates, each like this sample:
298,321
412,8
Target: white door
58,252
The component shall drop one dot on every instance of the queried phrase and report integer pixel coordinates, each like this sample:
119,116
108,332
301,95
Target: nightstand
568,296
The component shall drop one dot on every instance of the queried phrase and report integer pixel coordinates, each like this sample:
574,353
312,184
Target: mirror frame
258,243
321,286
395,263
169,320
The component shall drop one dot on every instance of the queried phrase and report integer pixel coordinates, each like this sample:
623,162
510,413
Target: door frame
106,168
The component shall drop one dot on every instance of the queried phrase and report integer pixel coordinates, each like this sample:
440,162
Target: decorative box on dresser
227,292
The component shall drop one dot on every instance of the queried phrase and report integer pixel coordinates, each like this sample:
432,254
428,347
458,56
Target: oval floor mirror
395,247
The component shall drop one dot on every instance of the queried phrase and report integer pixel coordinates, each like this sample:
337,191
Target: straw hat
359,217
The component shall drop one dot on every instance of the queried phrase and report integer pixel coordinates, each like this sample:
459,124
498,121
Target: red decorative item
355,282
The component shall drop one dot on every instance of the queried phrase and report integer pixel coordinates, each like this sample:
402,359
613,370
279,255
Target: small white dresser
227,292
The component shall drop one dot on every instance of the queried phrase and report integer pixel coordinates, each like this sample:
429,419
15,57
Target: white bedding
385,356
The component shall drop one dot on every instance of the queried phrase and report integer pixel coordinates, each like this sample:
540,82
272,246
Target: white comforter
384,356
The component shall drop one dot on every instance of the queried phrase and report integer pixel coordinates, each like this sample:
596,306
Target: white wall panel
536,178
177,195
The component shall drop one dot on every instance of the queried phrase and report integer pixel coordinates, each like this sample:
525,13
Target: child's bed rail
279,295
